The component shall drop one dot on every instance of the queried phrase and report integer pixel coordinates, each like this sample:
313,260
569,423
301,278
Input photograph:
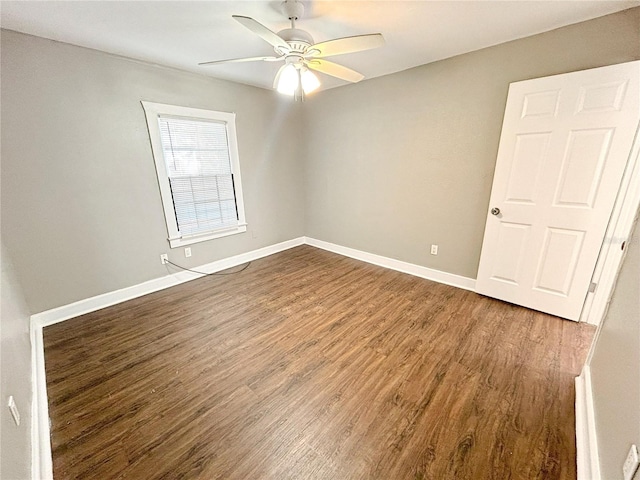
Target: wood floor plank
310,365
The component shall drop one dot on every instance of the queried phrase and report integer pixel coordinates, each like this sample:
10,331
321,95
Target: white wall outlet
187,252
434,249
14,410
164,259
631,463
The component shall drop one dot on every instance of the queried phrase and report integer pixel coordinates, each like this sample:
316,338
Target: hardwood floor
309,365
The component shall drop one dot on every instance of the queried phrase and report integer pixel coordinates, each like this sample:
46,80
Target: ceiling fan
296,48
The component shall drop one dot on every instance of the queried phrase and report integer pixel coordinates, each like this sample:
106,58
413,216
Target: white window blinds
196,156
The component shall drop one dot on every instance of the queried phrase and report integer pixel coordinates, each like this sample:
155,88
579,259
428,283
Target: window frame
155,110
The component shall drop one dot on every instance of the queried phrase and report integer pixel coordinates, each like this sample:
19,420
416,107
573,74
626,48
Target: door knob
495,211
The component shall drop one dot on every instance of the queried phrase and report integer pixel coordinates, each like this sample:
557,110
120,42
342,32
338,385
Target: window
196,157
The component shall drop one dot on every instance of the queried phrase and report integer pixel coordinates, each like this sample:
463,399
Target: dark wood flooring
309,365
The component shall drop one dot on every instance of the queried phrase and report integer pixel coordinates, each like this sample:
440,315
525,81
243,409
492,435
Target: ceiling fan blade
335,70
340,46
262,31
247,59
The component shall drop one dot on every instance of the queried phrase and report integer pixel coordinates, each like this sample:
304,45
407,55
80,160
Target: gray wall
397,163
389,166
15,372
81,209
615,368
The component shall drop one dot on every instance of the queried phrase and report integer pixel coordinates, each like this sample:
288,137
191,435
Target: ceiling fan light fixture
287,80
309,80
291,77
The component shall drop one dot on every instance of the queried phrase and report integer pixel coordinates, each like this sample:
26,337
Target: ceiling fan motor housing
298,40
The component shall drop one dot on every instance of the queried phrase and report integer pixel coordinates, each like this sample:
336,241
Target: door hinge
592,287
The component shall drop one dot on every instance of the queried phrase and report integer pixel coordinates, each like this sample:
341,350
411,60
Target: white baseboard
41,461
439,276
65,312
586,440
42,468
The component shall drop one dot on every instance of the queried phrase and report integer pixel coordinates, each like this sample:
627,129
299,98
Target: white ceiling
182,33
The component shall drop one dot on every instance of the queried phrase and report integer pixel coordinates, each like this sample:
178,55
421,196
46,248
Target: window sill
182,241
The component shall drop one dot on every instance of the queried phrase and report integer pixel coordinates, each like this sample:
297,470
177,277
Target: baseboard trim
586,440
41,460
42,466
439,276
88,305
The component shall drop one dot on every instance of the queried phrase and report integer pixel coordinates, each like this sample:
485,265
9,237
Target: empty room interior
320,240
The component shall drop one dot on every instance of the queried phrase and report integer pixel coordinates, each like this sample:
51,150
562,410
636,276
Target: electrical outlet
187,252
434,249
164,259
14,410
631,463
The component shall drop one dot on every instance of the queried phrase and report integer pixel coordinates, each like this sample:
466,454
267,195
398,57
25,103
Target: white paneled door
563,150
